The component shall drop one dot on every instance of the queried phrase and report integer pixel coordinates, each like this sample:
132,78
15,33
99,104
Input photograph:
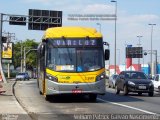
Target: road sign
6,61
17,20
134,52
43,19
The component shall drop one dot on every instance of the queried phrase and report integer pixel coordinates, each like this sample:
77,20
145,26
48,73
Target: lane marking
126,106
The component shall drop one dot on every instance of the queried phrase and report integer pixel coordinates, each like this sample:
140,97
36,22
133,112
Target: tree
31,57
17,54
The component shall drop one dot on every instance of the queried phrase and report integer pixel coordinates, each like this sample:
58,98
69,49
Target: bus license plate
142,87
76,91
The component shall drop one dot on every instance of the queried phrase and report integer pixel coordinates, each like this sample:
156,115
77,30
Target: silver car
22,76
112,80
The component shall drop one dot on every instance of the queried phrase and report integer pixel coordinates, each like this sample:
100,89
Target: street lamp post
115,35
156,61
1,29
151,44
99,24
139,44
25,53
119,55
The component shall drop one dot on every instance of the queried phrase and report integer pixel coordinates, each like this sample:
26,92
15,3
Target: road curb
32,116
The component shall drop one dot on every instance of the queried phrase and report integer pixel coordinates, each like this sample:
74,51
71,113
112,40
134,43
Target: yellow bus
71,60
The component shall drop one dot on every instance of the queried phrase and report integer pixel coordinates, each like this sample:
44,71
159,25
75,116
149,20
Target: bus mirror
107,54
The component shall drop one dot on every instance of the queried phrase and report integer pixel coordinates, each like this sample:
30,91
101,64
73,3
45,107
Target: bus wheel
92,97
40,92
139,93
48,97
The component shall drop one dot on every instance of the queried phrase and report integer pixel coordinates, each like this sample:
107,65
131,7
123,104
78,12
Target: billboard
134,52
7,50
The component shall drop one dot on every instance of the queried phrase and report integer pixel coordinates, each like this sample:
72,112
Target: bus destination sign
78,42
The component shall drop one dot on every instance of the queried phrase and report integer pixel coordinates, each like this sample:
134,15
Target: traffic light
4,39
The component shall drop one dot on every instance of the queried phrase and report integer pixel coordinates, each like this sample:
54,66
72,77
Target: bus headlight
101,76
52,78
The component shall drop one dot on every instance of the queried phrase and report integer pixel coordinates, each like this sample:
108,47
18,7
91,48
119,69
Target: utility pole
155,62
115,45
1,70
139,44
24,60
21,56
99,24
9,38
151,46
53,20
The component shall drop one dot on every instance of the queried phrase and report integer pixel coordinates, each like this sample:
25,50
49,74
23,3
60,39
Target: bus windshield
75,59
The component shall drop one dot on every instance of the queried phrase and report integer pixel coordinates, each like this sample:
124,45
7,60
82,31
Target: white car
112,80
156,82
22,76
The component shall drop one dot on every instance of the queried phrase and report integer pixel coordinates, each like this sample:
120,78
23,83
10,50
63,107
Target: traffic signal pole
1,70
51,19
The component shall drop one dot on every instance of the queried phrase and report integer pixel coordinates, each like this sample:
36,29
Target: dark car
134,81
112,81
22,76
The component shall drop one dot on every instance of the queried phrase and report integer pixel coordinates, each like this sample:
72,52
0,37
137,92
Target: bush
12,75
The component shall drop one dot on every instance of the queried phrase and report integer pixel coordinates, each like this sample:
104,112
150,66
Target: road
66,107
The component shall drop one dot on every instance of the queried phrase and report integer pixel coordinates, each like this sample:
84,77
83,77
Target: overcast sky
133,17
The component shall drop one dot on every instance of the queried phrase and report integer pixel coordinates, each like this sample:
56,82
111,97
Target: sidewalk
8,102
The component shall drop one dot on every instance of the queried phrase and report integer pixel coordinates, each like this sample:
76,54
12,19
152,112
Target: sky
133,17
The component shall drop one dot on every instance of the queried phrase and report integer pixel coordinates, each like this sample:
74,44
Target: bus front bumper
54,88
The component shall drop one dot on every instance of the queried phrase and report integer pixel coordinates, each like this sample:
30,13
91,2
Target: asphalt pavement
73,106
32,105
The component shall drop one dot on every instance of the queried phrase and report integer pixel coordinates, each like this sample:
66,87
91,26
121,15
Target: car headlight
151,84
131,83
101,76
52,78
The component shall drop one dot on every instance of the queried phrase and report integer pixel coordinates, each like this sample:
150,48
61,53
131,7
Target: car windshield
115,76
22,74
135,75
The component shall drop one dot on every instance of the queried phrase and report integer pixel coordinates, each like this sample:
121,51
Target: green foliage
31,57
12,75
